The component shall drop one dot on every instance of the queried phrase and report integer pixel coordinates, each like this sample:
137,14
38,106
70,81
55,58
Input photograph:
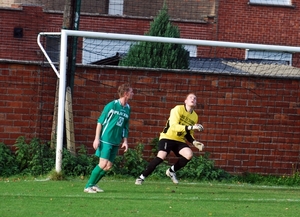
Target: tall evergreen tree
155,54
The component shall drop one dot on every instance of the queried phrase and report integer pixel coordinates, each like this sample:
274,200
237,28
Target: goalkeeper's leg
182,161
186,155
150,168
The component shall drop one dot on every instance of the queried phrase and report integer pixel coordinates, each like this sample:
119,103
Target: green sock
94,176
101,174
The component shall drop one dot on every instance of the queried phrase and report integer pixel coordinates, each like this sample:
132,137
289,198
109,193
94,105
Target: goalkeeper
180,128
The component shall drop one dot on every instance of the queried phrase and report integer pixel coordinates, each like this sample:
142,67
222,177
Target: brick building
252,121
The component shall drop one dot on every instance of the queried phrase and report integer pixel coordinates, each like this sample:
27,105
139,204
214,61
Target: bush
8,165
34,158
78,165
202,168
131,163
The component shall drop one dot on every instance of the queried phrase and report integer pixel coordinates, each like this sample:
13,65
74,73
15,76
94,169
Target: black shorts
168,145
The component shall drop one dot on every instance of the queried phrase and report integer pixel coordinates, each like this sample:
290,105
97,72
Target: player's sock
179,164
151,166
142,176
172,169
101,174
94,177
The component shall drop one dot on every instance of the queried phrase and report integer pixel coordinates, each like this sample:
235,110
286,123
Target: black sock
180,163
151,166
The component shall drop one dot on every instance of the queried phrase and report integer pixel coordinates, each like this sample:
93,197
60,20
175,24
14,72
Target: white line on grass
195,198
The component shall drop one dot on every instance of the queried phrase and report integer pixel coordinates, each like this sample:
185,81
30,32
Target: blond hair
124,88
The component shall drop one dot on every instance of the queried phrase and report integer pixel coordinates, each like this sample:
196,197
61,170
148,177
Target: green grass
21,197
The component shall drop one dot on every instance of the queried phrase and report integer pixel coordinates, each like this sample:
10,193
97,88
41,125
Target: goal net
117,51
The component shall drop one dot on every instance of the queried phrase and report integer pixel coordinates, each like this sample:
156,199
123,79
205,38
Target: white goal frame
61,74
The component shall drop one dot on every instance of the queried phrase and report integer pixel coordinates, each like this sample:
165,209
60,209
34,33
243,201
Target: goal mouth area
226,66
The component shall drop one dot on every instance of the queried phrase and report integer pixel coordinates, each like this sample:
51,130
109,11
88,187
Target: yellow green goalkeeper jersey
176,127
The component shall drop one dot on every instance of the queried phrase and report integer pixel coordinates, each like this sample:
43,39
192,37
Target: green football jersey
115,122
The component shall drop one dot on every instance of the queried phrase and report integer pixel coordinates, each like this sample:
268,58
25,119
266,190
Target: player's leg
109,154
106,162
103,152
151,167
161,155
185,154
92,180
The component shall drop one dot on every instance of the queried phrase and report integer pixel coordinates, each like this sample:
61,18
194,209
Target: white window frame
268,55
115,7
192,49
272,2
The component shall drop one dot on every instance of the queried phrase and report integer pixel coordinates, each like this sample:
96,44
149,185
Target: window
271,2
192,49
53,47
115,7
284,58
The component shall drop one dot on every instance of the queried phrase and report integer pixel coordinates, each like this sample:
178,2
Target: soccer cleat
139,181
89,190
172,175
97,189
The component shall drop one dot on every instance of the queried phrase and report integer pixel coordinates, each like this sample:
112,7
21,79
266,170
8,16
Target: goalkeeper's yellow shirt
176,125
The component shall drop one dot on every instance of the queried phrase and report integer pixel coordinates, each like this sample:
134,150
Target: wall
26,101
239,21
252,124
34,20
258,23
191,10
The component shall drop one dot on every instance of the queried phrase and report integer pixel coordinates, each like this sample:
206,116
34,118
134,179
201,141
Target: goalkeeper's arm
195,143
198,145
195,127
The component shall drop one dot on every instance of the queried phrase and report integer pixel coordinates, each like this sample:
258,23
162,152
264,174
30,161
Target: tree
155,54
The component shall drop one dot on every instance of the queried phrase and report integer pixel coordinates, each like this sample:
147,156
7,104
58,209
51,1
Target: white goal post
61,74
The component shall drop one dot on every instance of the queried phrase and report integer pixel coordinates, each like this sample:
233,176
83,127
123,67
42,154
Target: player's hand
196,127
96,144
198,145
125,146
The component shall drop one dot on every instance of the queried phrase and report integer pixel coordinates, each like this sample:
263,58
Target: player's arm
101,120
125,144
105,113
190,136
195,143
97,136
125,133
126,127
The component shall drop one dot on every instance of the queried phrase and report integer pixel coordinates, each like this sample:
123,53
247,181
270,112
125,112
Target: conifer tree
155,54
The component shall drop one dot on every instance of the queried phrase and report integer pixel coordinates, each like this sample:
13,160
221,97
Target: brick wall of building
252,124
33,20
188,10
240,21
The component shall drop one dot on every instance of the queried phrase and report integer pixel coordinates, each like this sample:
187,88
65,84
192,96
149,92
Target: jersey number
120,122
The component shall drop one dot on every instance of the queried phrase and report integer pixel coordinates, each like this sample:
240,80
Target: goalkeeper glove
198,145
196,127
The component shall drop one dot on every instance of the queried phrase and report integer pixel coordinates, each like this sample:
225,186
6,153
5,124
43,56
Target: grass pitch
122,197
